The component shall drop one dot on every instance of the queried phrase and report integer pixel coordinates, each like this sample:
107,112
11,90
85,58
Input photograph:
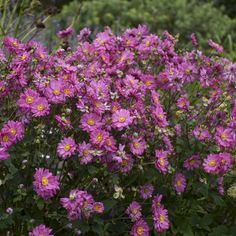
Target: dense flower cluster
124,102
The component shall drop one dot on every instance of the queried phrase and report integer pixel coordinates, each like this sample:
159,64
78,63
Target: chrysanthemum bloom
15,128
98,207
137,146
161,162
146,191
211,163
225,137
201,134
121,119
3,154
84,151
140,228
192,162
90,122
45,183
183,103
134,211
41,230
110,144
161,220
66,148
40,107
179,183
156,202
225,162
27,99
98,137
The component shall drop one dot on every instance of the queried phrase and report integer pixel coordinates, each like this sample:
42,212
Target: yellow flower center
56,92
158,203
161,218
13,131
90,122
2,88
182,103
67,147
148,82
29,99
114,109
40,107
192,162
222,161
121,119
136,145
124,163
187,71
67,91
85,152
161,161
108,142
44,181
5,138
65,77
41,55
23,57
97,104
140,230
97,207
178,182
42,235
223,136
134,211
15,44
99,137
212,163
147,43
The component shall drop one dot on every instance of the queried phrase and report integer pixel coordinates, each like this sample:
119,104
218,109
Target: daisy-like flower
40,107
126,164
84,150
225,137
41,230
15,128
6,139
3,154
66,148
90,122
211,164
161,220
179,183
98,137
121,119
134,211
156,202
98,207
140,228
192,162
159,116
201,134
137,146
27,99
161,162
63,122
225,162
54,91
146,191
45,183
183,103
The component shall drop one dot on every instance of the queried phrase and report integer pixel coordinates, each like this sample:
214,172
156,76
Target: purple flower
192,162
27,99
134,211
98,137
161,220
211,164
98,207
137,146
215,46
179,183
140,228
220,185
65,33
121,119
161,162
15,128
146,191
41,230
225,137
90,122
84,151
40,107
66,148
156,202
45,184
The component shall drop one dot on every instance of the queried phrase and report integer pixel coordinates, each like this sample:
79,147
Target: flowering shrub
122,135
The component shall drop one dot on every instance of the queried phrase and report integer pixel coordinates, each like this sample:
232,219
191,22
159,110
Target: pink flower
215,46
225,162
159,116
183,103
41,230
225,137
40,107
54,91
140,228
84,151
3,154
63,122
65,33
134,211
90,122
121,119
179,183
15,128
211,164
66,148
98,207
146,191
161,220
161,162
156,202
192,162
45,184
201,134
137,146
99,137
27,99
220,185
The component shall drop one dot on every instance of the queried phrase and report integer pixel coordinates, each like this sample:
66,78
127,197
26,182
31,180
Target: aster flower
41,230
134,211
65,33
54,91
156,202
201,134
159,116
126,164
161,162
63,122
179,183
83,34
146,191
66,148
192,162
161,220
15,128
140,228
27,99
98,137
137,146
84,150
90,122
225,162
211,164
194,40
98,207
3,154
225,137
121,119
40,107
45,183
183,103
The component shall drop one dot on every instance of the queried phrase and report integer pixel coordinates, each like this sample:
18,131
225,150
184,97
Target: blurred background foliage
214,19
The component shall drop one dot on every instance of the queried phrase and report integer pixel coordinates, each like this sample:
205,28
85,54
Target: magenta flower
54,91
63,122
134,211
220,185
211,163
66,148
137,146
15,129
161,162
65,33
41,230
156,202
201,134
140,228
179,183
183,103
40,107
90,122
161,220
121,119
98,207
98,137
27,99
146,191
45,183
192,162
84,151
225,137
215,46
225,162
6,139
159,116
3,154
